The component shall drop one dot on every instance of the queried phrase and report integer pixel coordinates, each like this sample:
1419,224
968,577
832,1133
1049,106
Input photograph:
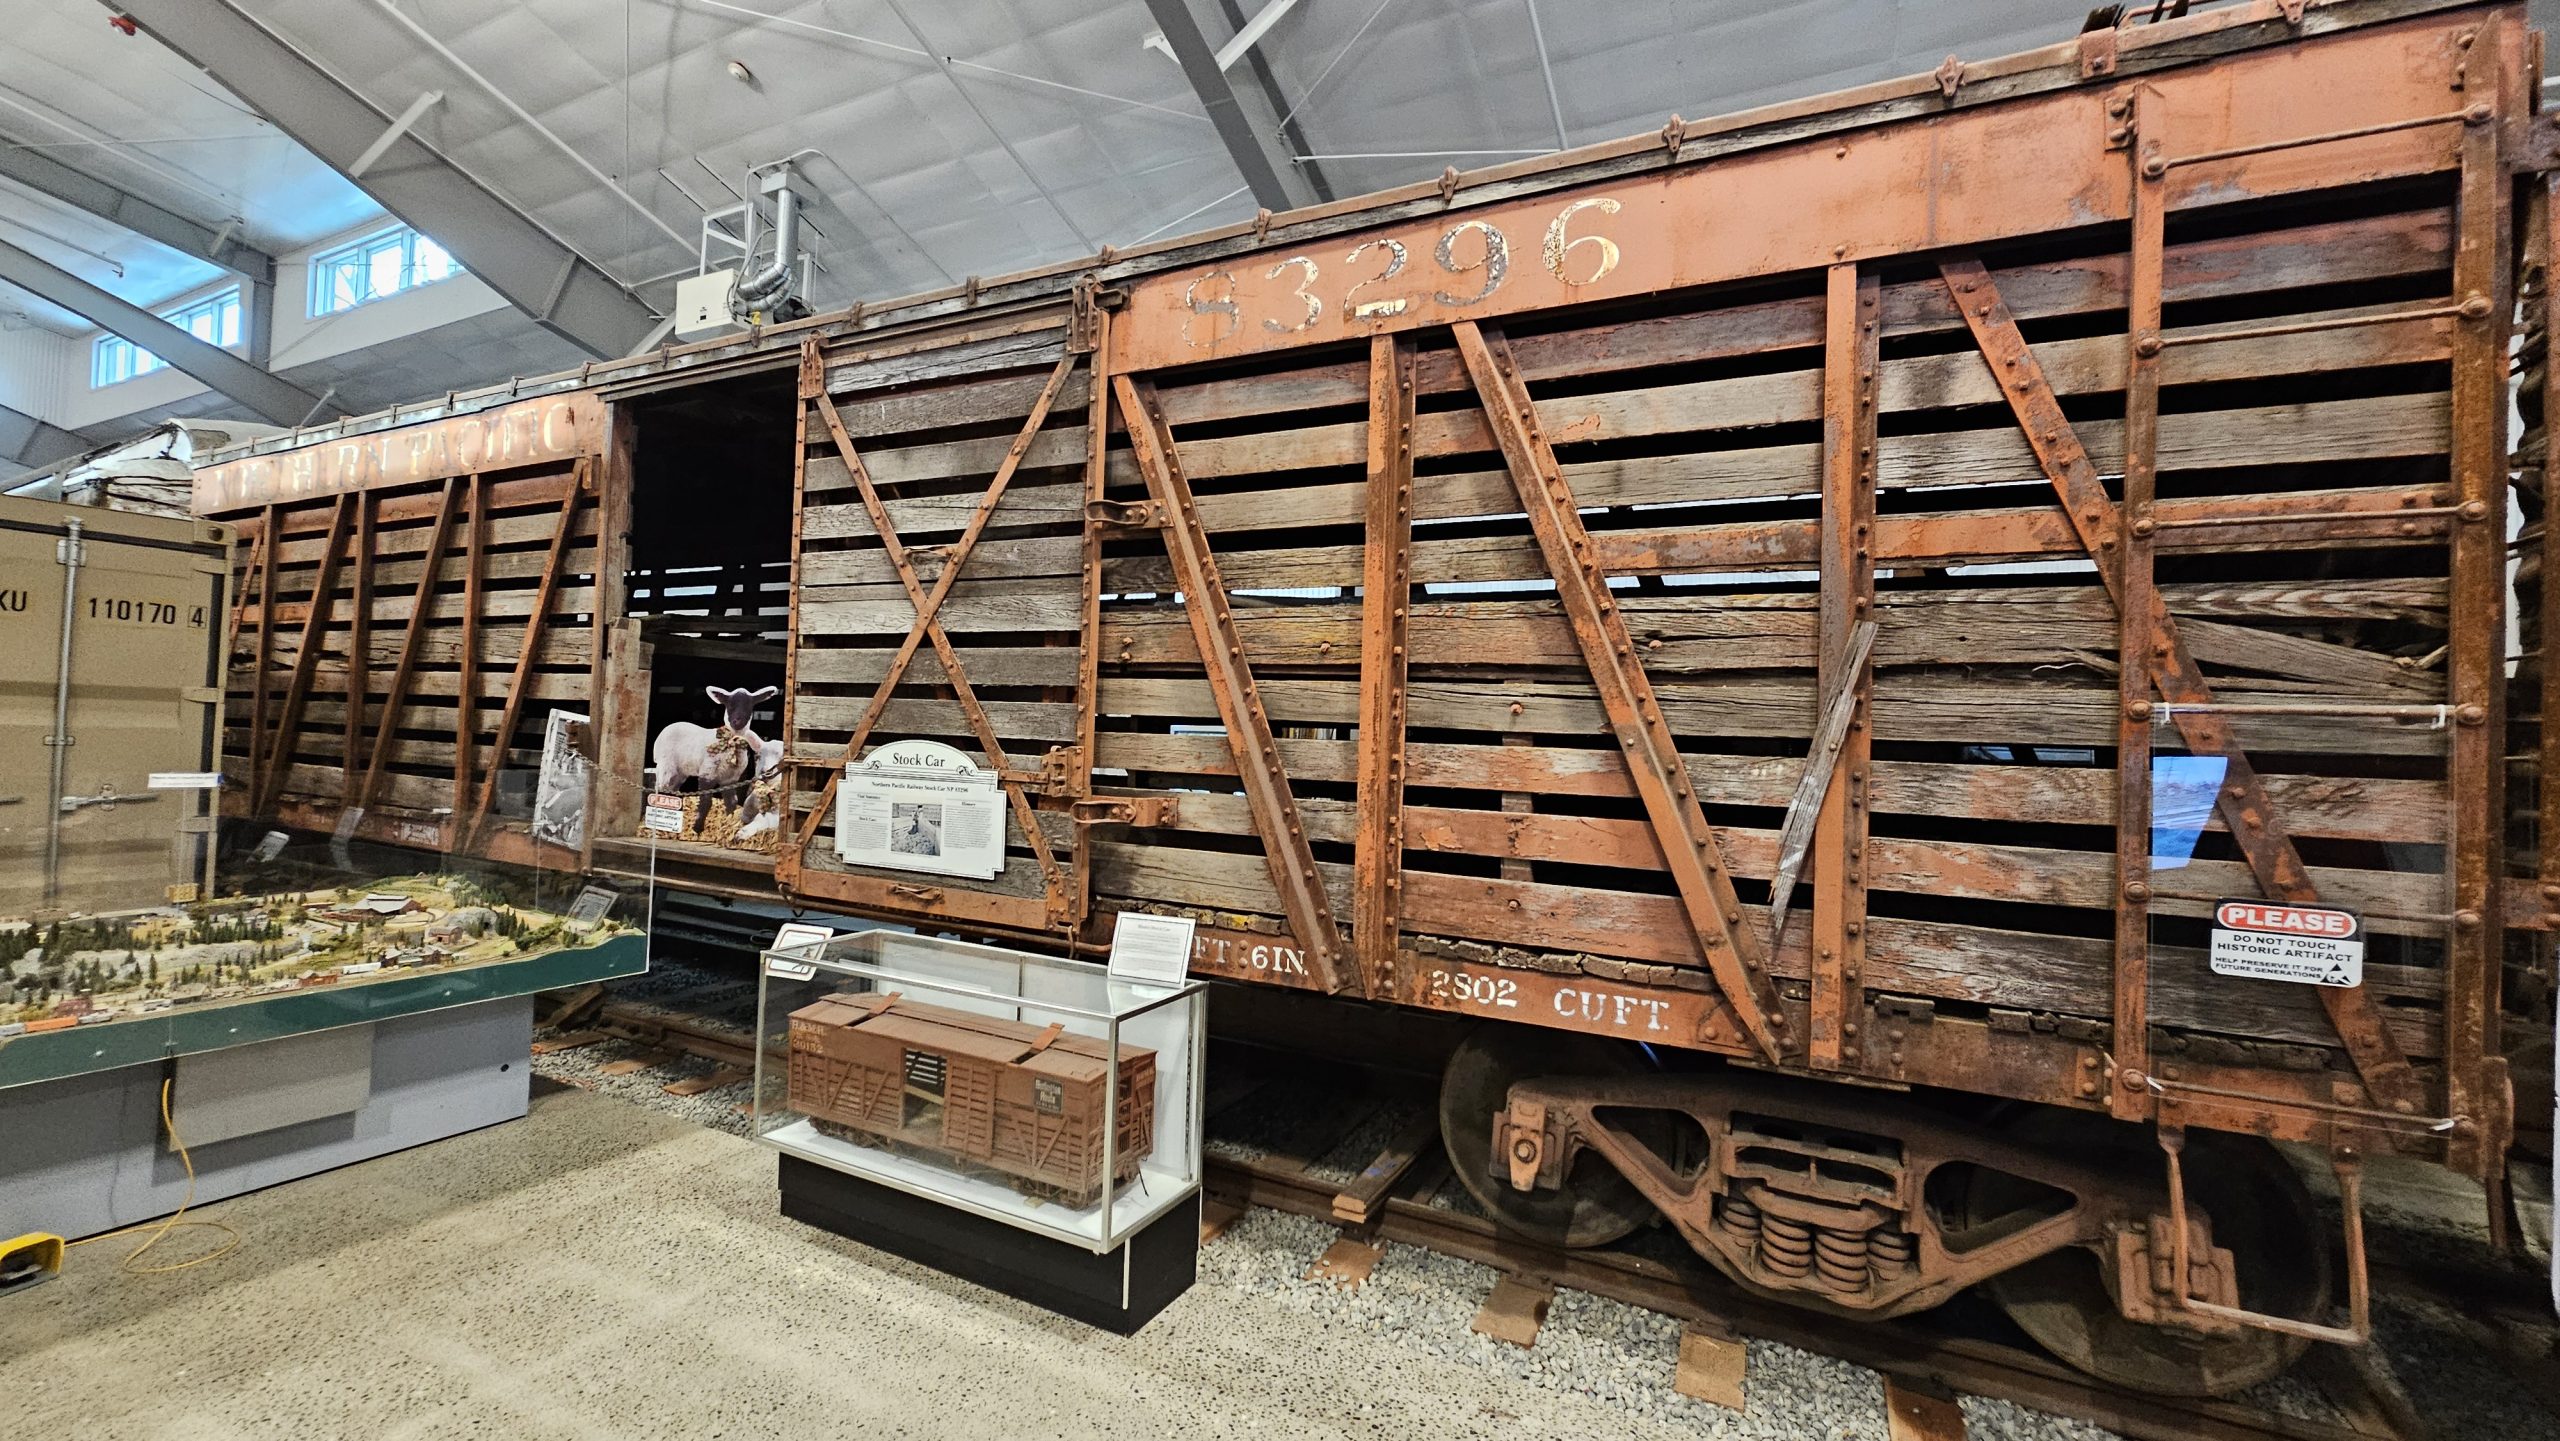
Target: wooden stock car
970,1090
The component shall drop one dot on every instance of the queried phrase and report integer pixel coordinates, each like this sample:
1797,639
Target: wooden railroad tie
1913,1412
1346,1263
1711,1366
711,1081
1216,1216
1515,1311
570,1042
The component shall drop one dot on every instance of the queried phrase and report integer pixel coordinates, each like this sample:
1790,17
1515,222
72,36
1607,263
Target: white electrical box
705,306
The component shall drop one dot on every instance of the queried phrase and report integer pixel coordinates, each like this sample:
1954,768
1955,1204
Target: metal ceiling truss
45,175
33,443
272,396
561,290
1246,118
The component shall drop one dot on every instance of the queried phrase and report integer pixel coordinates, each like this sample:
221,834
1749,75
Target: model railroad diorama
86,970
1021,1103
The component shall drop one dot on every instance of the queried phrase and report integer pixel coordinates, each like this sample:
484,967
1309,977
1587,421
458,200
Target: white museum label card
185,781
593,904
792,937
1153,949
2306,945
920,806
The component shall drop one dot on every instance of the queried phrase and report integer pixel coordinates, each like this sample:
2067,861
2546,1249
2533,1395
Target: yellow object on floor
28,1259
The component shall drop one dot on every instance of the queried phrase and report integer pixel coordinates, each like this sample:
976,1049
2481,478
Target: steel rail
1908,1350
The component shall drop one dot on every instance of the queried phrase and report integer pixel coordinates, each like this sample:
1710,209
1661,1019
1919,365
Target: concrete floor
604,1271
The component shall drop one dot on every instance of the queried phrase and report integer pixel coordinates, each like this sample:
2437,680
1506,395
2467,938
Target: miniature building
1025,1101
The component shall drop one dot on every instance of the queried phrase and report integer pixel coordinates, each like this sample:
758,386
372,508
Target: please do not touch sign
2273,941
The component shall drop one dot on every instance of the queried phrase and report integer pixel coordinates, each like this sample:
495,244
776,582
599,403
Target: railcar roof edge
2204,36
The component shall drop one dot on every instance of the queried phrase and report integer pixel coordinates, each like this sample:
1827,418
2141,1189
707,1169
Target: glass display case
1042,1093
297,933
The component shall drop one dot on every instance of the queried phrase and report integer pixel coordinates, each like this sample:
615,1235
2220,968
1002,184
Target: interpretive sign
1151,948
2306,945
920,806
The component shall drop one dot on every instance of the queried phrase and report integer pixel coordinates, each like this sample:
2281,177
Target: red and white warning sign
2272,941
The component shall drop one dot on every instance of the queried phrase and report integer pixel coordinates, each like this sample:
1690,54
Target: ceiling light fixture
739,72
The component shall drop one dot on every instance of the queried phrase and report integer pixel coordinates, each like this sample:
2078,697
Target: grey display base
84,1154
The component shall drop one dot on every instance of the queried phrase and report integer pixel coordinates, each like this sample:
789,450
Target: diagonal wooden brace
1257,755
2243,801
1689,847
929,626
1795,838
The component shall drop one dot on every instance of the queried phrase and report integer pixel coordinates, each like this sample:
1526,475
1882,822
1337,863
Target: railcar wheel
1596,1205
2260,1210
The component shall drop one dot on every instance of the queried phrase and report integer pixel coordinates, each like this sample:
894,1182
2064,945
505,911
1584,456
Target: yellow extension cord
160,1229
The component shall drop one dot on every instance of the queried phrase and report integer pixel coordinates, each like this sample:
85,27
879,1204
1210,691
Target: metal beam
45,175
516,257
271,396
35,444
1245,119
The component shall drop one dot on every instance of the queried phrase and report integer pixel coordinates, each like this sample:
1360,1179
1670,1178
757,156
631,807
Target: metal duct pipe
69,551
775,278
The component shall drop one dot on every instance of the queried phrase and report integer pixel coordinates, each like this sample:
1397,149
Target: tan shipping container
130,685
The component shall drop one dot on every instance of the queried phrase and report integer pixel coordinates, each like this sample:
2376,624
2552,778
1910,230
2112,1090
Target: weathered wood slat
1013,720
1051,665
1031,502
1931,382
2356,808
1016,558
1967,870
1908,706
973,607
512,493
1691,634
2385,426
441,645
495,604
2058,974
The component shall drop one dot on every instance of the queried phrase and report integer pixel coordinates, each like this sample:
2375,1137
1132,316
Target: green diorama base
92,992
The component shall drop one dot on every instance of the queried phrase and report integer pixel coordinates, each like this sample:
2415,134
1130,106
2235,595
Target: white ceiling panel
1010,133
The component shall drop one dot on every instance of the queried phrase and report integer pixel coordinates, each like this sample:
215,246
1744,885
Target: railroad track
1924,1359
1918,1354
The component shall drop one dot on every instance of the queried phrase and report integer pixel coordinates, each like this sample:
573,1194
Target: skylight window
214,320
376,267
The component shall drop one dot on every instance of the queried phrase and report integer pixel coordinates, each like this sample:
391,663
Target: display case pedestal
1117,1290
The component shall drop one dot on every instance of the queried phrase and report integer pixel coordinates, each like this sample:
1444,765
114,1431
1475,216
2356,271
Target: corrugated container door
146,622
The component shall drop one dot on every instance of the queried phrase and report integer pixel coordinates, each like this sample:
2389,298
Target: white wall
47,375
35,375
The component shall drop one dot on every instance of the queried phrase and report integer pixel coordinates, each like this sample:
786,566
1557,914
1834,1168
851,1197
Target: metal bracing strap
1386,595
928,620
2245,806
1689,849
928,623
406,668
307,662
1285,849
579,486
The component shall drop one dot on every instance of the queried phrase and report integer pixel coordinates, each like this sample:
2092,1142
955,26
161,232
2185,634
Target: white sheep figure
716,759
